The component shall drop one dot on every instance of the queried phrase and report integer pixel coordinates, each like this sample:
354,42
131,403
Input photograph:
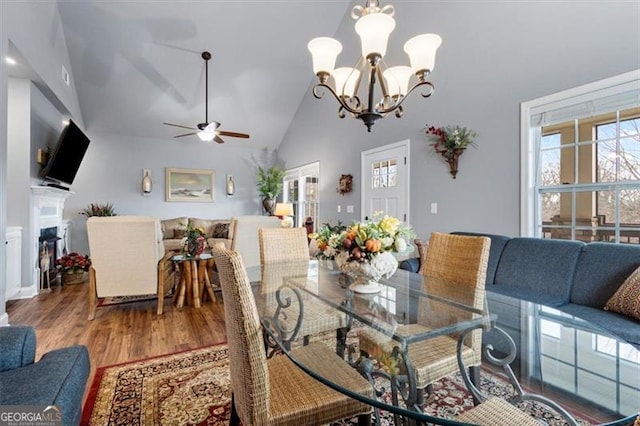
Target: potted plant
270,186
97,209
73,267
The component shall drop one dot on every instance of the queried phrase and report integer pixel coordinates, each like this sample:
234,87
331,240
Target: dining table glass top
583,368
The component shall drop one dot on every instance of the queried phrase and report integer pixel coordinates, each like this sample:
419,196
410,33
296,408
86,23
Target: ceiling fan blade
233,134
186,134
179,125
218,139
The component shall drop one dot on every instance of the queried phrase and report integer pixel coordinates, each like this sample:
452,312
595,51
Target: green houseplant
97,209
270,186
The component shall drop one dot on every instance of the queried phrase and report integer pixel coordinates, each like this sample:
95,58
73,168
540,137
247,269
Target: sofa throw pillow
169,225
626,299
179,233
221,230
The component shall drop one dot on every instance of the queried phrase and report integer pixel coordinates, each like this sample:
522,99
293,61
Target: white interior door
385,181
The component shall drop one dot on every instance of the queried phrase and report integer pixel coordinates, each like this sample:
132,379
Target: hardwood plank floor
119,333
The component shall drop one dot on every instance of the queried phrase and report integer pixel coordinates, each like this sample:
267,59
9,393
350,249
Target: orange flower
373,245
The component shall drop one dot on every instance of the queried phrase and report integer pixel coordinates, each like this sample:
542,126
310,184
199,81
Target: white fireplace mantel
46,212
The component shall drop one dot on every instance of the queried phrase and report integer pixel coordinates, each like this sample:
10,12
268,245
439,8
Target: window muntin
301,188
384,174
588,178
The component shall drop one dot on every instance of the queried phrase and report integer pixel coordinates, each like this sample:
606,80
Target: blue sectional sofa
575,277
59,378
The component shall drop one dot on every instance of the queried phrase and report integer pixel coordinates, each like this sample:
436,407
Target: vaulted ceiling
137,64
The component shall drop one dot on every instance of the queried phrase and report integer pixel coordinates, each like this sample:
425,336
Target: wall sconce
147,184
231,186
284,211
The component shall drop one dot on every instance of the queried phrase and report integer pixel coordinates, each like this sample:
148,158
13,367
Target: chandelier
373,25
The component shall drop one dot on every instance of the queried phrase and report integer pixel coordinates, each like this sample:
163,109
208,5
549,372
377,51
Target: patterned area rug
193,388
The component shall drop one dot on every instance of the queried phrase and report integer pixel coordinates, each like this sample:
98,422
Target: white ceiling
137,64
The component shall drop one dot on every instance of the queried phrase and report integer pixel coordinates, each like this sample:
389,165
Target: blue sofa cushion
495,251
624,327
18,347
601,270
551,300
542,268
411,265
59,378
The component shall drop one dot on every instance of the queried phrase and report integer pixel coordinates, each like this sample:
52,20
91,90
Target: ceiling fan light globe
206,136
212,127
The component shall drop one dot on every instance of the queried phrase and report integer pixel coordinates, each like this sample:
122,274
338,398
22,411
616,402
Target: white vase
367,274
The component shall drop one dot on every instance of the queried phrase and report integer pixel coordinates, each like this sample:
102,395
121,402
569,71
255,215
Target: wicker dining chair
279,245
284,253
275,391
455,268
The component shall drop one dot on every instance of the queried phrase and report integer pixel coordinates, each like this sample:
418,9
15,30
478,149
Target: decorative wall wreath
345,184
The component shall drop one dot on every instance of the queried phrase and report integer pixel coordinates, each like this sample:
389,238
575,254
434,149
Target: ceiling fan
209,130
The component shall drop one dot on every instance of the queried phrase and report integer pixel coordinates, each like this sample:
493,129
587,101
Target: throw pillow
626,299
169,225
221,230
179,233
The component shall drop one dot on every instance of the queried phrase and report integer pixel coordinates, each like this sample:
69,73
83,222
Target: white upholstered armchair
128,259
245,239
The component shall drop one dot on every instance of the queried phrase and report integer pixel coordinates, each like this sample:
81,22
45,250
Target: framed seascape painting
189,185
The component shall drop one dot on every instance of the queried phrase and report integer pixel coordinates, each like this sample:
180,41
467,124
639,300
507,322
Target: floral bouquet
365,248
73,263
194,241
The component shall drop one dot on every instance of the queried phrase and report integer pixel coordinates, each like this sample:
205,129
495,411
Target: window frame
530,220
300,174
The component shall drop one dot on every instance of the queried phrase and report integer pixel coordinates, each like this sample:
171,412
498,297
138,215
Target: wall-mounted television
67,155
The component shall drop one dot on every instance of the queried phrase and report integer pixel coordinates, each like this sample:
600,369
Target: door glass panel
384,174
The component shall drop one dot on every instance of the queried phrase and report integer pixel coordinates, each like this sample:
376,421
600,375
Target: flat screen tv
67,155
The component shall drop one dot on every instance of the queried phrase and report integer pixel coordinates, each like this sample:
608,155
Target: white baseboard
4,319
25,293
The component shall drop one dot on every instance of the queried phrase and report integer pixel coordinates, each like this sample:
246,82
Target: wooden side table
194,279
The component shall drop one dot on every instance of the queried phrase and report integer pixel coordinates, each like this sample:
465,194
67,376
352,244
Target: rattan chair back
247,358
278,245
455,268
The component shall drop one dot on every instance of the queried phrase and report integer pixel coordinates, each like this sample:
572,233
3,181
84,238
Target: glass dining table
531,352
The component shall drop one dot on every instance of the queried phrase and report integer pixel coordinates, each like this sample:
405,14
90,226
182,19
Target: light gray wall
112,172
494,55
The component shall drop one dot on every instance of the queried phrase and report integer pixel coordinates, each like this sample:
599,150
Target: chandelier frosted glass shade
397,79
422,52
386,87
346,79
374,31
324,51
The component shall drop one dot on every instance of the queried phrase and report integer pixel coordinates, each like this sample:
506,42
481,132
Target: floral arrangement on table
451,142
194,242
97,209
73,263
365,248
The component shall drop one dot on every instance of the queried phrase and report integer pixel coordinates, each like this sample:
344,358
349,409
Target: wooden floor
119,333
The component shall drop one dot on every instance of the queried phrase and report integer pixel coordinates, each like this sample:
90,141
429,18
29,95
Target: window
581,163
301,189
